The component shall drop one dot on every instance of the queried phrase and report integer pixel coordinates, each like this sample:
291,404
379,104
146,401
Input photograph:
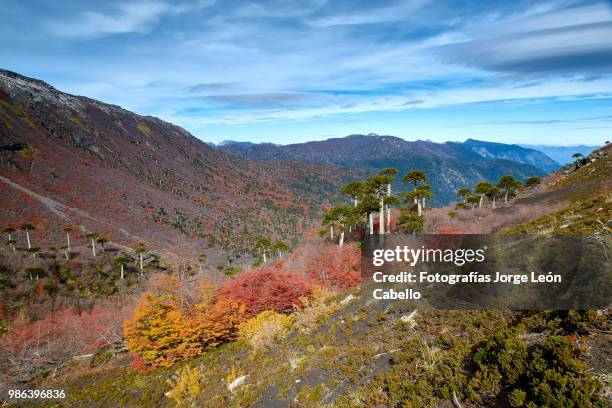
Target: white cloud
561,90
128,17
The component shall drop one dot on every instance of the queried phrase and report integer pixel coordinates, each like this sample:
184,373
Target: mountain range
450,165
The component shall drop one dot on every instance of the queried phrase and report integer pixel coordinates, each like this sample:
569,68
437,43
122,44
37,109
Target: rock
409,319
347,300
237,382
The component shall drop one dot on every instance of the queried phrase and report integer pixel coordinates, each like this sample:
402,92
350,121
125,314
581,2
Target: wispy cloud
568,41
602,118
202,63
125,17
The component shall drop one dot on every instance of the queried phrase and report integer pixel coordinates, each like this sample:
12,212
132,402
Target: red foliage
57,337
267,289
450,230
336,267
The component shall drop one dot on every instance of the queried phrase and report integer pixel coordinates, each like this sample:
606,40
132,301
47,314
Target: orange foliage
164,329
221,323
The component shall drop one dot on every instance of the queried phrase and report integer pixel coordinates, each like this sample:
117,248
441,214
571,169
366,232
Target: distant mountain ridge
562,154
514,153
450,165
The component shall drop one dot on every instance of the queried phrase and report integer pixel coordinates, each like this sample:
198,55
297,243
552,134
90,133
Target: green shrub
517,398
558,378
549,374
504,352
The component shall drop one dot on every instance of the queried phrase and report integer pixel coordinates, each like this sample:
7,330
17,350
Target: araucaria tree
482,189
419,193
10,242
280,247
92,236
473,200
355,190
140,250
376,186
8,231
27,228
68,230
121,261
464,192
532,181
508,184
262,246
201,261
367,206
492,193
343,216
390,200
411,222
415,177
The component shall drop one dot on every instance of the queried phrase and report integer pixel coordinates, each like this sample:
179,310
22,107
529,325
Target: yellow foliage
160,333
316,309
186,388
265,328
144,128
208,294
231,375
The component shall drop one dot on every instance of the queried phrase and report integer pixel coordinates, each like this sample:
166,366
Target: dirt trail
54,206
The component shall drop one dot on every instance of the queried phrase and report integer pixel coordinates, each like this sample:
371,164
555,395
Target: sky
536,72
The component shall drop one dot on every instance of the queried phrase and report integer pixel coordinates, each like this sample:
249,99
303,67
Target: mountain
450,166
514,153
67,159
562,154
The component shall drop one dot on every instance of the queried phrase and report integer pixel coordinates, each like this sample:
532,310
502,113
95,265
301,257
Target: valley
143,267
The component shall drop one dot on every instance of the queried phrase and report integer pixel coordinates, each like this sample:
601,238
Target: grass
583,217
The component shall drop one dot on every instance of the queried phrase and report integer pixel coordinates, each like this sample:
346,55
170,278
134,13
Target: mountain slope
514,153
449,165
133,178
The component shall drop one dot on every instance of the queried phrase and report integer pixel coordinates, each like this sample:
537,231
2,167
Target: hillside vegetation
301,333
71,160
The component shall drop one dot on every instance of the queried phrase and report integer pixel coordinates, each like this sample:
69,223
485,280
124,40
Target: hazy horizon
408,140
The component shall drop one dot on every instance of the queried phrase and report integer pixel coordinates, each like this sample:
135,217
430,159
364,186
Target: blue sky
291,71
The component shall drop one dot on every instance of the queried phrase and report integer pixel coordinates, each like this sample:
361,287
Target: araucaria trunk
341,242
381,217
